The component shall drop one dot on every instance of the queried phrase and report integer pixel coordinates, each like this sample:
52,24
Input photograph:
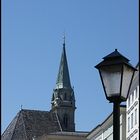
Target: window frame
128,124
136,116
132,121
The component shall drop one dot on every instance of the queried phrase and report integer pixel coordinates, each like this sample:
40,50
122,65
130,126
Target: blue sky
32,38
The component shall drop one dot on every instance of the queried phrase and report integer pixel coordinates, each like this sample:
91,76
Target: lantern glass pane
127,76
111,76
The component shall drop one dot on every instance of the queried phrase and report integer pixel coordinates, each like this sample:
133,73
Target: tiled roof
30,123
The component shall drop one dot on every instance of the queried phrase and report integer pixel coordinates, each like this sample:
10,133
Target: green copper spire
63,100
63,78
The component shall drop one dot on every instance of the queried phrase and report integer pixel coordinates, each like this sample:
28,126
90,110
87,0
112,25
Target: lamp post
116,74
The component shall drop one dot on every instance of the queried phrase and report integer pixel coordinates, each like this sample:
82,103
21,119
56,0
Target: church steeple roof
63,78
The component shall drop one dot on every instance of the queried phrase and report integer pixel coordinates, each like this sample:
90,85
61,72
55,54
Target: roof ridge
34,110
15,124
10,125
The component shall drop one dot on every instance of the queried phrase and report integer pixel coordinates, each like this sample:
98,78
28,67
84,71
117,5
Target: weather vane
21,107
64,38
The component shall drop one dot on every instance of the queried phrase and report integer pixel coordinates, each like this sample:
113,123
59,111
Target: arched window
65,120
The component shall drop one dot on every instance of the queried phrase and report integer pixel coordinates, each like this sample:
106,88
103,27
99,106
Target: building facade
104,131
132,109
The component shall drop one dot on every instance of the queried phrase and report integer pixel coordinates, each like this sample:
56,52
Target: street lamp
116,75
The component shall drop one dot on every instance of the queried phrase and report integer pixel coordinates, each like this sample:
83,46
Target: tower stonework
63,100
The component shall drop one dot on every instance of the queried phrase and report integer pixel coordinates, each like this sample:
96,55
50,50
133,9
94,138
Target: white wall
132,118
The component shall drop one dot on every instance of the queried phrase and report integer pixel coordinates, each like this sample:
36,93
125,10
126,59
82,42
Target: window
128,124
135,92
132,120
135,116
128,101
132,97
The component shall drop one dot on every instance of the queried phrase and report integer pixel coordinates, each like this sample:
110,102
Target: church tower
63,100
